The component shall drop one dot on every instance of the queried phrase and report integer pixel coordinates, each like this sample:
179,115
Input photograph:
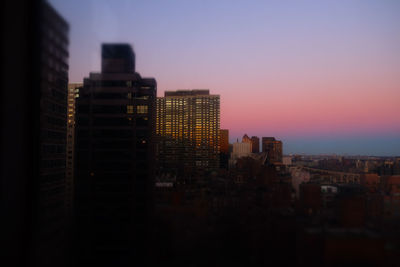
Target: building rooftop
187,92
117,58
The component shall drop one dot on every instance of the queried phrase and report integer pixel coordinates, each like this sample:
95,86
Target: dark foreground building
115,124
33,139
52,197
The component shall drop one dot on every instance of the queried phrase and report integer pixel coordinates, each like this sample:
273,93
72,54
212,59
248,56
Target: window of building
142,109
129,109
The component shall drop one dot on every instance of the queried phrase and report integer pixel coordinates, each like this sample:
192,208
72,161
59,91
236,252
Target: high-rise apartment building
255,144
114,147
51,195
273,148
53,121
73,92
34,121
188,124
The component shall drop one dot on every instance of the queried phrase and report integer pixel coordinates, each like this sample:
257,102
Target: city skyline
323,78
101,170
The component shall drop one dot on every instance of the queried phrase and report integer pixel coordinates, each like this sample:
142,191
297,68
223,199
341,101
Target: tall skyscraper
115,124
255,144
188,123
34,94
73,92
53,121
273,148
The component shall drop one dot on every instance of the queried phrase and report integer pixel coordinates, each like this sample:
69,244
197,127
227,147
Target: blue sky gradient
322,76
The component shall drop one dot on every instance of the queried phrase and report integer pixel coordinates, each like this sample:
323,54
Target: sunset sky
322,76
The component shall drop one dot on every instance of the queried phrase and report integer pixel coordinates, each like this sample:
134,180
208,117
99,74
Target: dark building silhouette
351,206
115,124
273,148
310,200
53,130
53,122
255,144
33,140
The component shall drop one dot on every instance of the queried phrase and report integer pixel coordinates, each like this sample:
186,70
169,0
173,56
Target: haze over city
321,76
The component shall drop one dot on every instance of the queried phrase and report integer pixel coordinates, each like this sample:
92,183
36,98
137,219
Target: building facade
224,148
114,146
188,124
73,92
239,150
224,141
255,144
242,149
246,139
51,205
273,148
33,139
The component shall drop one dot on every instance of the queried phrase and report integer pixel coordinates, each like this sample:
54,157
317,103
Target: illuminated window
129,109
142,109
143,97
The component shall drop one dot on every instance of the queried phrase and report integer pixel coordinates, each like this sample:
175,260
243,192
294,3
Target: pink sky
291,69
